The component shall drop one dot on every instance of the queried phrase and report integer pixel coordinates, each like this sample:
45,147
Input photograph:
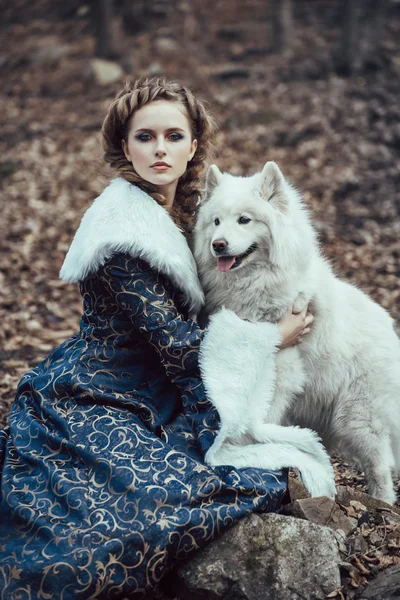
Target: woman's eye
175,137
243,220
143,137
216,221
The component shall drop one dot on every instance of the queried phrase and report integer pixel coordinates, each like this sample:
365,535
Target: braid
115,129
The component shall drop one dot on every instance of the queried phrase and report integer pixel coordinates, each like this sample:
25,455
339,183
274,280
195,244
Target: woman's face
159,144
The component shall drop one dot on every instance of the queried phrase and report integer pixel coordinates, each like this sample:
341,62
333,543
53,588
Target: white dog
257,254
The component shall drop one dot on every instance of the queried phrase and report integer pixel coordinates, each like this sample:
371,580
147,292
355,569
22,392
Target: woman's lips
160,167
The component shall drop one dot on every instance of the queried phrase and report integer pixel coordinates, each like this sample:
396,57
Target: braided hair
116,127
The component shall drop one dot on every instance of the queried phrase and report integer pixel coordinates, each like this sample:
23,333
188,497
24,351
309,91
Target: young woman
104,483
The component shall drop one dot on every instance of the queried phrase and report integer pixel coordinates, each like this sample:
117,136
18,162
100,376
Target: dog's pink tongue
225,263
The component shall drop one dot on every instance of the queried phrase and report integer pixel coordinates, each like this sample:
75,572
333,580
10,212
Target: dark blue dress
103,482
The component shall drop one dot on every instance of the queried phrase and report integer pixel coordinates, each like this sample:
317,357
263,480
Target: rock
263,557
385,587
391,518
167,47
297,490
345,494
357,544
353,521
49,52
341,539
375,538
106,71
321,511
155,68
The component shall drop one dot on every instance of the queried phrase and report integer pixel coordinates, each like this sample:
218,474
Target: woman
103,477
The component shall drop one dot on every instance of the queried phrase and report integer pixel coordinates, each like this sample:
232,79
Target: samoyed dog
257,254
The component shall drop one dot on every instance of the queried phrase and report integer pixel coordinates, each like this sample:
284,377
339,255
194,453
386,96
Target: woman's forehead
161,114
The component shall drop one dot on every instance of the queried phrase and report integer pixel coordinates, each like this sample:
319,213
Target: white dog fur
343,381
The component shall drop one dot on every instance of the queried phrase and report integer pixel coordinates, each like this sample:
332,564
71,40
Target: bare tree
375,27
134,16
361,37
281,20
350,50
102,14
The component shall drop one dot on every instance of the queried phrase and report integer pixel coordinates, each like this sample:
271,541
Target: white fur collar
126,219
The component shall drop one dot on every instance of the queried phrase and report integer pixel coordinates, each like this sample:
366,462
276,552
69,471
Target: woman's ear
126,151
193,149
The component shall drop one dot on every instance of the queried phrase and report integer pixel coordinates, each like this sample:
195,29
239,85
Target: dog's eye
216,221
243,220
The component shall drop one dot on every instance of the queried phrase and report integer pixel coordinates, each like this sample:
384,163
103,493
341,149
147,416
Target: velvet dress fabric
103,480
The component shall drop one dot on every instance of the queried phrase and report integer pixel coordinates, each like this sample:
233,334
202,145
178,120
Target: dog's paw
387,495
300,303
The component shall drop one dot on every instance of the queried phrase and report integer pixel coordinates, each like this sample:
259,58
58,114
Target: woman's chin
161,178
164,180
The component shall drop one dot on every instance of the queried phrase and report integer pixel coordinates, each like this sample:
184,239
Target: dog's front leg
290,381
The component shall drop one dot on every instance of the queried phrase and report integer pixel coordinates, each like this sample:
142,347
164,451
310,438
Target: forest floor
337,139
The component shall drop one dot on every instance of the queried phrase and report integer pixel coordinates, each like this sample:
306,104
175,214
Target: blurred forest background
311,84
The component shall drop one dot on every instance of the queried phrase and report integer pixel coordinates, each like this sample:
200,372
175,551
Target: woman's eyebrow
146,130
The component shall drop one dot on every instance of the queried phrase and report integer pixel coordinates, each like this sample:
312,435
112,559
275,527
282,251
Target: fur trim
126,219
237,361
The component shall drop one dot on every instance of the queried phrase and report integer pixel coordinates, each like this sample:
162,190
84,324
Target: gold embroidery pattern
103,482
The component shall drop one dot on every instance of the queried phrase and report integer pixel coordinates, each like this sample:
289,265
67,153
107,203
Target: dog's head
245,220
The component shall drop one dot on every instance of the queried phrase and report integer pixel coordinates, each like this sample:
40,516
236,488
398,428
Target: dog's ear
213,178
272,186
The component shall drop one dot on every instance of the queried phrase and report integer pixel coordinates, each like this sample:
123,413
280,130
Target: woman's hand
293,326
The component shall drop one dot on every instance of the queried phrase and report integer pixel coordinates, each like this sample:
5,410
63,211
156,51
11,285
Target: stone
357,544
263,557
155,68
386,586
297,490
47,50
341,539
168,47
322,511
49,55
345,494
105,71
391,518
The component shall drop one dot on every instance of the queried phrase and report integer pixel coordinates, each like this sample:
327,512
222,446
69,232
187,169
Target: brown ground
337,139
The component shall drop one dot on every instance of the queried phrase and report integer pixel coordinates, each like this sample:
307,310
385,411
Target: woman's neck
169,193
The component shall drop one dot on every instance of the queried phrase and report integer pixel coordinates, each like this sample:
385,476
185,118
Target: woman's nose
160,148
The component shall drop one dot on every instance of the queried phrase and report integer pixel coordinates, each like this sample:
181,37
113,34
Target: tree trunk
102,13
350,57
281,19
375,27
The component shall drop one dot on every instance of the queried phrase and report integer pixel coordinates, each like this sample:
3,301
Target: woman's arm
141,294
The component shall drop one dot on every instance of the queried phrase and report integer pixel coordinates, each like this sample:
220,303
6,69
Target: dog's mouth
227,263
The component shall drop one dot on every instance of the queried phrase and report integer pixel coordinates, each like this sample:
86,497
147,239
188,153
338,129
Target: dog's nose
219,245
